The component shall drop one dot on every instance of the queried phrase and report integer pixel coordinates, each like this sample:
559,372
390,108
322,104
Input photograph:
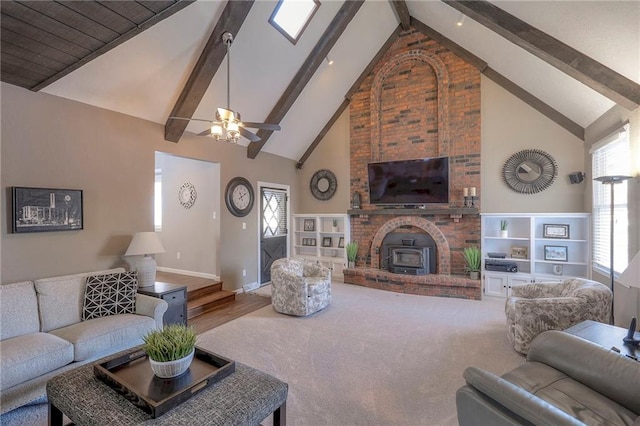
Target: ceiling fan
227,125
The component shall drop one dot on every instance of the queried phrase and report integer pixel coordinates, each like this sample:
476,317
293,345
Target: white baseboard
251,286
190,273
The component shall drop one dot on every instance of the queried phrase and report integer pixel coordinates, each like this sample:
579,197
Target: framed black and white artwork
46,209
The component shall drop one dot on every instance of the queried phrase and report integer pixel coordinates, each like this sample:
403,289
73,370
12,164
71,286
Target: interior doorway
274,227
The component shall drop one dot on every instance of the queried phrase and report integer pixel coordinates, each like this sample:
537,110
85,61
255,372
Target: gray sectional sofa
565,381
42,333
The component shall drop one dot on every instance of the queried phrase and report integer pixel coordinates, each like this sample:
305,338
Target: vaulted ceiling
570,60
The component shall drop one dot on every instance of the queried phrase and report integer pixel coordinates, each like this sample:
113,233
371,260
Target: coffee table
605,335
247,396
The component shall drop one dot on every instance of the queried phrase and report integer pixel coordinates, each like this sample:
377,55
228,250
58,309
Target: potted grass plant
170,350
504,228
472,258
334,224
352,253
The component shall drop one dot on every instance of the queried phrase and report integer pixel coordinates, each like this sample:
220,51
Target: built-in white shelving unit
317,238
539,257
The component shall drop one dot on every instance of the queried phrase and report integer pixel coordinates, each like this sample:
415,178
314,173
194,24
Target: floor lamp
612,180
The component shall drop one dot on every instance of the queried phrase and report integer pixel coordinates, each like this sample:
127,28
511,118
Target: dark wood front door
273,229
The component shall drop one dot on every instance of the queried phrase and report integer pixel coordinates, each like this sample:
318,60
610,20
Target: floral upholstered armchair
534,308
299,287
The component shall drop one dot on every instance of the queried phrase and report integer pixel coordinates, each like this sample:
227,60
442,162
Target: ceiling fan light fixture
216,130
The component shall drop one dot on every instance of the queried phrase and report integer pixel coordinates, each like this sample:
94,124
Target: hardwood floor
243,304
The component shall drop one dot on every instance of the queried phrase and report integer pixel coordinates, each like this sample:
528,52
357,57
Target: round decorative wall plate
323,184
239,196
530,171
187,195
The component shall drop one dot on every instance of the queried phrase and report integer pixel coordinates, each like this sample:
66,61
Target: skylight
291,17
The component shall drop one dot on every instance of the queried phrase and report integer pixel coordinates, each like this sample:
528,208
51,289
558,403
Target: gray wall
508,126
332,153
53,142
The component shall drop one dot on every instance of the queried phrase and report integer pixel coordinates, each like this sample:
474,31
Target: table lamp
631,278
146,244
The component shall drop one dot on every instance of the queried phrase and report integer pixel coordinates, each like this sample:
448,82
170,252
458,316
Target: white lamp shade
631,276
144,243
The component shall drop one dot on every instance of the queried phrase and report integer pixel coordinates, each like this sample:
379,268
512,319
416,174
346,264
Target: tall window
291,17
611,156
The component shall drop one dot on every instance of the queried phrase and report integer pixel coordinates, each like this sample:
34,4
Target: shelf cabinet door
495,285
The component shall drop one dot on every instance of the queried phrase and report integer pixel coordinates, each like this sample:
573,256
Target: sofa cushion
110,294
60,299
32,355
18,310
569,395
97,336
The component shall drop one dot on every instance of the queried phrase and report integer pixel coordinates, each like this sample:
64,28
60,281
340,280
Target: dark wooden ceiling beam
597,76
535,103
177,6
306,71
233,15
400,6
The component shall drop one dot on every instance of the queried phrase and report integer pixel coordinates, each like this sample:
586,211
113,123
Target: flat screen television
423,181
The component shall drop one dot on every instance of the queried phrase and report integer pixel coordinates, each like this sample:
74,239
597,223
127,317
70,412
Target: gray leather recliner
565,381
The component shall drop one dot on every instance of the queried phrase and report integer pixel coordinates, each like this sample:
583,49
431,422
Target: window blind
611,157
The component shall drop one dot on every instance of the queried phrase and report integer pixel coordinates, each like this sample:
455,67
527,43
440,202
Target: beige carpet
372,357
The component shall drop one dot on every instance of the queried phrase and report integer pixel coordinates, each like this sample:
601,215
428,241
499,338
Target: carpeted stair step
209,302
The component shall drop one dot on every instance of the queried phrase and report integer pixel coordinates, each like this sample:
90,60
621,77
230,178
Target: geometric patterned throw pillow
110,294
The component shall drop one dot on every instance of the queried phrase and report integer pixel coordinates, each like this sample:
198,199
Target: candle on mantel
465,192
473,191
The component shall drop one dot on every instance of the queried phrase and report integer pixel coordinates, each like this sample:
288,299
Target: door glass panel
274,213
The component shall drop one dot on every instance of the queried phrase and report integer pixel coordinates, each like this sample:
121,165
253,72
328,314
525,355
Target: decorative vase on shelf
504,234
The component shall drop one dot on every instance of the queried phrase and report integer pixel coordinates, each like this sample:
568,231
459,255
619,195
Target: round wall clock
239,196
187,195
323,184
530,171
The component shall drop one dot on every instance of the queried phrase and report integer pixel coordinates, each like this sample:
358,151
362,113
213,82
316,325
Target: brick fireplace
419,101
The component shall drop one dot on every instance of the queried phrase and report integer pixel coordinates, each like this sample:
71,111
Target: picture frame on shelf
557,269
550,230
46,210
556,253
326,242
312,242
341,242
309,225
305,241
519,252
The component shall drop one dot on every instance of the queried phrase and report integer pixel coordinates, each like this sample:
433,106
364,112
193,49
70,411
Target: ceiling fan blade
191,119
265,126
249,135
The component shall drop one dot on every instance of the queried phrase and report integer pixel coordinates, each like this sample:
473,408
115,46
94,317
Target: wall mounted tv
423,181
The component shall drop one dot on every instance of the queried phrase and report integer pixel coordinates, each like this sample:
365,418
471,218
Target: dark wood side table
175,295
606,336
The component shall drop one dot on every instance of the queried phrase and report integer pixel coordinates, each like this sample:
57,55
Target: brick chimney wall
420,100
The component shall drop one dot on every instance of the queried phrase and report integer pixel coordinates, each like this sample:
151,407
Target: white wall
192,232
509,125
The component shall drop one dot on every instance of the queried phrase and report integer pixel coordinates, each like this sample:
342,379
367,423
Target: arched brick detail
444,253
442,77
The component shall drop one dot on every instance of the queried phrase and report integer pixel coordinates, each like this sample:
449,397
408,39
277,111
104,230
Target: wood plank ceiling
42,41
